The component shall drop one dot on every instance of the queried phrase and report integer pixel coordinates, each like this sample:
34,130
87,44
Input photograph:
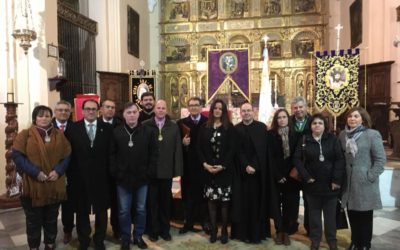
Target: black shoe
206,228
153,237
213,236
224,236
140,243
184,230
125,245
166,237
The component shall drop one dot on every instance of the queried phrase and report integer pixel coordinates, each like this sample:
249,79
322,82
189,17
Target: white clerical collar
108,121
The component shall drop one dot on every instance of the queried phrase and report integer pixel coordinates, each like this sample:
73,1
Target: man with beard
301,125
169,165
192,182
254,192
147,101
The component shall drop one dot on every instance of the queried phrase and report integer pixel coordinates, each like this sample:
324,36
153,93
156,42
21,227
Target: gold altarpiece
189,28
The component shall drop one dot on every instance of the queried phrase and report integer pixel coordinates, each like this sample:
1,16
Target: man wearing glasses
90,141
62,121
195,205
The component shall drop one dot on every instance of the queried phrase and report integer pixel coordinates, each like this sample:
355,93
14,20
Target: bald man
169,165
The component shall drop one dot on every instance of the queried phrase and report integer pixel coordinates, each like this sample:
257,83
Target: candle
10,90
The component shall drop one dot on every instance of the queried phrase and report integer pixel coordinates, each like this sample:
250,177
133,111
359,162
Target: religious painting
133,32
300,84
356,23
178,53
272,7
139,85
304,6
208,9
302,48
179,11
184,91
239,8
337,77
274,49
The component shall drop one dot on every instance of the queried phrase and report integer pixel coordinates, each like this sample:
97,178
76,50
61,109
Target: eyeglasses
193,105
64,110
90,109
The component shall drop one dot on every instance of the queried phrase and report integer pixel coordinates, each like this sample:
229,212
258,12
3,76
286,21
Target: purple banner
228,63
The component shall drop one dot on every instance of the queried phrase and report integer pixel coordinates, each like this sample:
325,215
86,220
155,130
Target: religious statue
183,95
174,96
310,89
179,11
300,84
304,6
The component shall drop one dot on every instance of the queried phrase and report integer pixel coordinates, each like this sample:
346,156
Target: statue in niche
310,90
272,7
304,6
183,95
208,9
174,96
203,89
300,84
179,11
239,7
302,48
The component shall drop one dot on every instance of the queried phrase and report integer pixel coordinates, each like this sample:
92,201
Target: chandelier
23,25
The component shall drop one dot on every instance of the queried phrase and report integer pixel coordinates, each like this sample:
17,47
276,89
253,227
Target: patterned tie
62,128
91,133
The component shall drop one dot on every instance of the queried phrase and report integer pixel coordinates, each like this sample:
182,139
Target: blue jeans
126,199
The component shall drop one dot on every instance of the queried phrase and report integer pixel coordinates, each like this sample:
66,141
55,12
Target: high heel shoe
224,235
213,235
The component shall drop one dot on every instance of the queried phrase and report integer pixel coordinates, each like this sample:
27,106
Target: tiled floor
386,226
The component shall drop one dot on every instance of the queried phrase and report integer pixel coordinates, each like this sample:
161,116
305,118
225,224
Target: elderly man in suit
169,165
62,121
90,141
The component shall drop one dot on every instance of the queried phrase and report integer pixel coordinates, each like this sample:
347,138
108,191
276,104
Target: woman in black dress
216,151
282,144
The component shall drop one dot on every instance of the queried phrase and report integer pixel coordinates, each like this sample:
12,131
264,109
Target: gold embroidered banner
337,81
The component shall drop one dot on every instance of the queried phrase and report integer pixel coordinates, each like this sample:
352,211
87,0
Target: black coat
280,167
130,165
115,122
89,180
193,174
227,153
326,172
256,133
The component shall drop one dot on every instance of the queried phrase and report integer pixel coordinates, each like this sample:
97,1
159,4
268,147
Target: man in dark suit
147,101
169,165
192,182
90,141
107,111
62,121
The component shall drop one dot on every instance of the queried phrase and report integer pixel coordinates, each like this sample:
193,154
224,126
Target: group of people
244,173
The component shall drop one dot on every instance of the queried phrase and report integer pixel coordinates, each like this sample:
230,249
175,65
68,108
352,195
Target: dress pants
84,230
67,216
361,223
37,218
316,205
160,201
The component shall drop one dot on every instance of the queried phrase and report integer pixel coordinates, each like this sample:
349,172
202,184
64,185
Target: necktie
195,122
62,128
91,134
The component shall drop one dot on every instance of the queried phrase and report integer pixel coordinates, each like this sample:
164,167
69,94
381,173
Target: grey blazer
361,189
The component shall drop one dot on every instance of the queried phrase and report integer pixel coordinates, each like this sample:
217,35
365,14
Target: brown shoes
67,238
285,239
278,238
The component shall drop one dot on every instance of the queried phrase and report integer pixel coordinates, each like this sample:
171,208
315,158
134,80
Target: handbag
341,218
294,173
